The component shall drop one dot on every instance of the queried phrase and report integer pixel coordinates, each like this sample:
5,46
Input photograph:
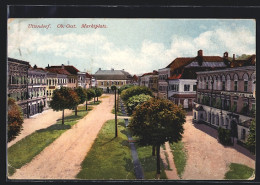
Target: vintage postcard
131,99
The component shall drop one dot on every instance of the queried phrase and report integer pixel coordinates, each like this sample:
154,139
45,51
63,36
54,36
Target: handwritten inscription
41,26
67,26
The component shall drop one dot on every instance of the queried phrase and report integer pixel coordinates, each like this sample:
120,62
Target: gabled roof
179,62
247,62
71,69
112,75
151,73
135,78
58,70
88,75
206,61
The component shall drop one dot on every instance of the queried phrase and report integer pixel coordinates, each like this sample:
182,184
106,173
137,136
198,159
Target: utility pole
115,115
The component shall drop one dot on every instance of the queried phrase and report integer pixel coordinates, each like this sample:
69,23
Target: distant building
150,80
88,80
225,98
82,79
17,82
106,78
72,73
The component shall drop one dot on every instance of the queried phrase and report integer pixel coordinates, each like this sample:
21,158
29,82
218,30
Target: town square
121,100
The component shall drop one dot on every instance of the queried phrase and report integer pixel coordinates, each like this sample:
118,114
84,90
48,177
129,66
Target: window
194,87
102,83
223,85
245,86
174,87
186,87
235,85
207,85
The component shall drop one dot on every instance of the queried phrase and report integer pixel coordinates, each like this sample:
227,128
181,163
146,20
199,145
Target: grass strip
239,171
148,163
179,157
119,111
110,157
26,149
96,102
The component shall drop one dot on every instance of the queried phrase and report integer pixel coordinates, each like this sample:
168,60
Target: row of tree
68,98
63,98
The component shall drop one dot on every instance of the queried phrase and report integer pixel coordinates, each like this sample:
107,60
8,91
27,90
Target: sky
135,45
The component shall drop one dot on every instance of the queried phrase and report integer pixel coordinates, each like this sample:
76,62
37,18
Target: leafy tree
113,87
250,142
135,90
99,92
90,94
64,98
136,100
15,119
124,87
156,122
82,97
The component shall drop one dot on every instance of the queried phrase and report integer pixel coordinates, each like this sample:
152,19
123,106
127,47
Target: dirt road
62,159
207,158
39,121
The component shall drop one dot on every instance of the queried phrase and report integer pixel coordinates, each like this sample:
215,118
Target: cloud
94,50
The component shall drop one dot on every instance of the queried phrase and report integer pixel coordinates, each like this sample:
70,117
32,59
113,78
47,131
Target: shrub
15,119
224,136
124,87
250,143
135,90
136,100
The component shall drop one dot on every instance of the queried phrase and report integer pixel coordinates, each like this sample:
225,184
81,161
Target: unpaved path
172,172
207,158
39,121
62,159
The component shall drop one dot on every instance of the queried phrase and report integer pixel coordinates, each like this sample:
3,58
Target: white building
182,91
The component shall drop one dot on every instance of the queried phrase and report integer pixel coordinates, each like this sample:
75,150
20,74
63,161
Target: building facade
82,82
17,82
51,84
37,82
225,98
163,75
106,78
182,92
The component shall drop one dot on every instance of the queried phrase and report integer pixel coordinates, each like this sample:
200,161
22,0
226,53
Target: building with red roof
177,81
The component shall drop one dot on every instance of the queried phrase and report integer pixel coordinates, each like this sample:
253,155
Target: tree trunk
97,98
115,117
86,105
76,110
63,117
153,152
94,99
158,161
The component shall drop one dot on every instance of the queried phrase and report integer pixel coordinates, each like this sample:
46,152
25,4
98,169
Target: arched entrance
234,132
185,104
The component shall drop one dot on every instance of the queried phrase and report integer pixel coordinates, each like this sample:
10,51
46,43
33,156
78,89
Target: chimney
234,57
99,69
112,69
123,69
200,53
48,66
35,66
225,55
62,66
